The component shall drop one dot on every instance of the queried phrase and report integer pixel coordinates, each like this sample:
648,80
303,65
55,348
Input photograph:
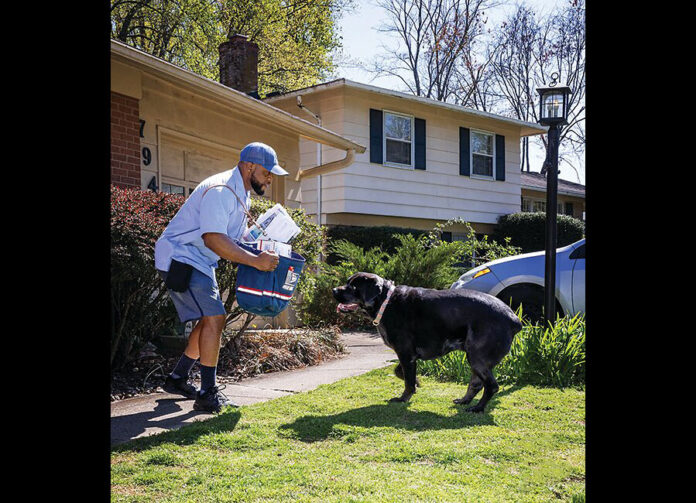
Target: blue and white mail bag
268,293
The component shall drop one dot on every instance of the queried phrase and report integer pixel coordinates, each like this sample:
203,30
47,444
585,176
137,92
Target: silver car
520,280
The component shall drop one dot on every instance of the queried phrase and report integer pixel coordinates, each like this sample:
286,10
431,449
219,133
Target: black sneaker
213,400
180,386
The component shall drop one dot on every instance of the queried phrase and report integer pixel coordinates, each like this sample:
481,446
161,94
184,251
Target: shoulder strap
244,208
233,192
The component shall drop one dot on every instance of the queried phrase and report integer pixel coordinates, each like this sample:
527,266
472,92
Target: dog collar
375,322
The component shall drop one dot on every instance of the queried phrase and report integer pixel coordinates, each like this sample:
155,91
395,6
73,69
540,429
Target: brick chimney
238,64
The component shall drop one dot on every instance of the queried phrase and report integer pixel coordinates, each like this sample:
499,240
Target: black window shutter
375,136
500,157
419,127
464,165
569,209
447,236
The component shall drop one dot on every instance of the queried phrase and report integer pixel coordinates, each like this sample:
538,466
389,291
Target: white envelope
278,225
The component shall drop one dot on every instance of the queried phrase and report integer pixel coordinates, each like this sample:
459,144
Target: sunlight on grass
344,442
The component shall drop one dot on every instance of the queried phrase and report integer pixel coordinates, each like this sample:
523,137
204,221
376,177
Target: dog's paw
418,383
461,401
396,399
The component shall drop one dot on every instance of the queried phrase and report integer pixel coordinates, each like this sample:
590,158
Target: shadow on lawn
186,434
395,415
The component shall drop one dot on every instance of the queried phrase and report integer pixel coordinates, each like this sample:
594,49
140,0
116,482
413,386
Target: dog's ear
372,288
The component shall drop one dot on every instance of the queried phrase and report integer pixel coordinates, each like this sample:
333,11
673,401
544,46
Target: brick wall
125,141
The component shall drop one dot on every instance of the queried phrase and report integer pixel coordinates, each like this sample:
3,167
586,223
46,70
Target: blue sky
362,41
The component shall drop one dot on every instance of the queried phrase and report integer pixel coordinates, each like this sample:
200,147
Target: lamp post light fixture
553,112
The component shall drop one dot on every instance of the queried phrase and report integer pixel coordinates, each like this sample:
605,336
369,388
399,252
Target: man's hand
223,246
266,261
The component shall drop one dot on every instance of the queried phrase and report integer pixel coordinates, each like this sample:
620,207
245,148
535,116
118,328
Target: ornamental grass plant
551,356
548,356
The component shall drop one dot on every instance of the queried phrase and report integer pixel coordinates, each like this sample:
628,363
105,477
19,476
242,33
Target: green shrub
477,251
549,357
424,261
450,367
140,306
317,307
528,230
553,356
383,237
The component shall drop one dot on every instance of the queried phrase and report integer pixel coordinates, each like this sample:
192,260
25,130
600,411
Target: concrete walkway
142,416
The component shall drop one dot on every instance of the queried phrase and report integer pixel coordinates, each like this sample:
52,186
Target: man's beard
258,187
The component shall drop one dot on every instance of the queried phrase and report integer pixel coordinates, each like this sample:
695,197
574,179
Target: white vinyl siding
438,193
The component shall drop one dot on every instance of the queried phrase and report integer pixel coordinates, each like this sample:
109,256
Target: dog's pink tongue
342,308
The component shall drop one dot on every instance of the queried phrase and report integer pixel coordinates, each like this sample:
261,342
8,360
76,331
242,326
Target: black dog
426,324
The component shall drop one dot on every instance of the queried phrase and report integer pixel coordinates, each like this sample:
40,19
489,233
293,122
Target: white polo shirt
206,210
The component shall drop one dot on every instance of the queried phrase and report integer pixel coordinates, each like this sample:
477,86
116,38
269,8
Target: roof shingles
537,181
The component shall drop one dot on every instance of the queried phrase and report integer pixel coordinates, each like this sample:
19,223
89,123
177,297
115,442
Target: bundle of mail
272,231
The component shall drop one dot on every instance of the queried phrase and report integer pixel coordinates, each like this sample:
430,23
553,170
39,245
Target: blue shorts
201,298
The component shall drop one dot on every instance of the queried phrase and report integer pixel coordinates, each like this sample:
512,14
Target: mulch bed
256,352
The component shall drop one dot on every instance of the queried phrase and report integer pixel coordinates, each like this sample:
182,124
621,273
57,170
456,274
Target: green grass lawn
343,442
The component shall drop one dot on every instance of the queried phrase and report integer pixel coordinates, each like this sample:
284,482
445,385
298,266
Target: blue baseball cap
260,153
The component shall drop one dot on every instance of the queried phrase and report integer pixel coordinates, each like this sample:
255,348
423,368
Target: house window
398,140
534,205
527,205
482,154
174,186
172,189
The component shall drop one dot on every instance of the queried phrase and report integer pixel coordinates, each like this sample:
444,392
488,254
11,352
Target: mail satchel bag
267,293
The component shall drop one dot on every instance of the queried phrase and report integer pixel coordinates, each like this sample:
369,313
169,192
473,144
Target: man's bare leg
208,339
192,347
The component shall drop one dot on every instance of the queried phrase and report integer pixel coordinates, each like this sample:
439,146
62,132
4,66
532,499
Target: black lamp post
553,112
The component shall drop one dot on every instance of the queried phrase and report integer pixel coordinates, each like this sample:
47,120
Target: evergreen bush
383,237
528,230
